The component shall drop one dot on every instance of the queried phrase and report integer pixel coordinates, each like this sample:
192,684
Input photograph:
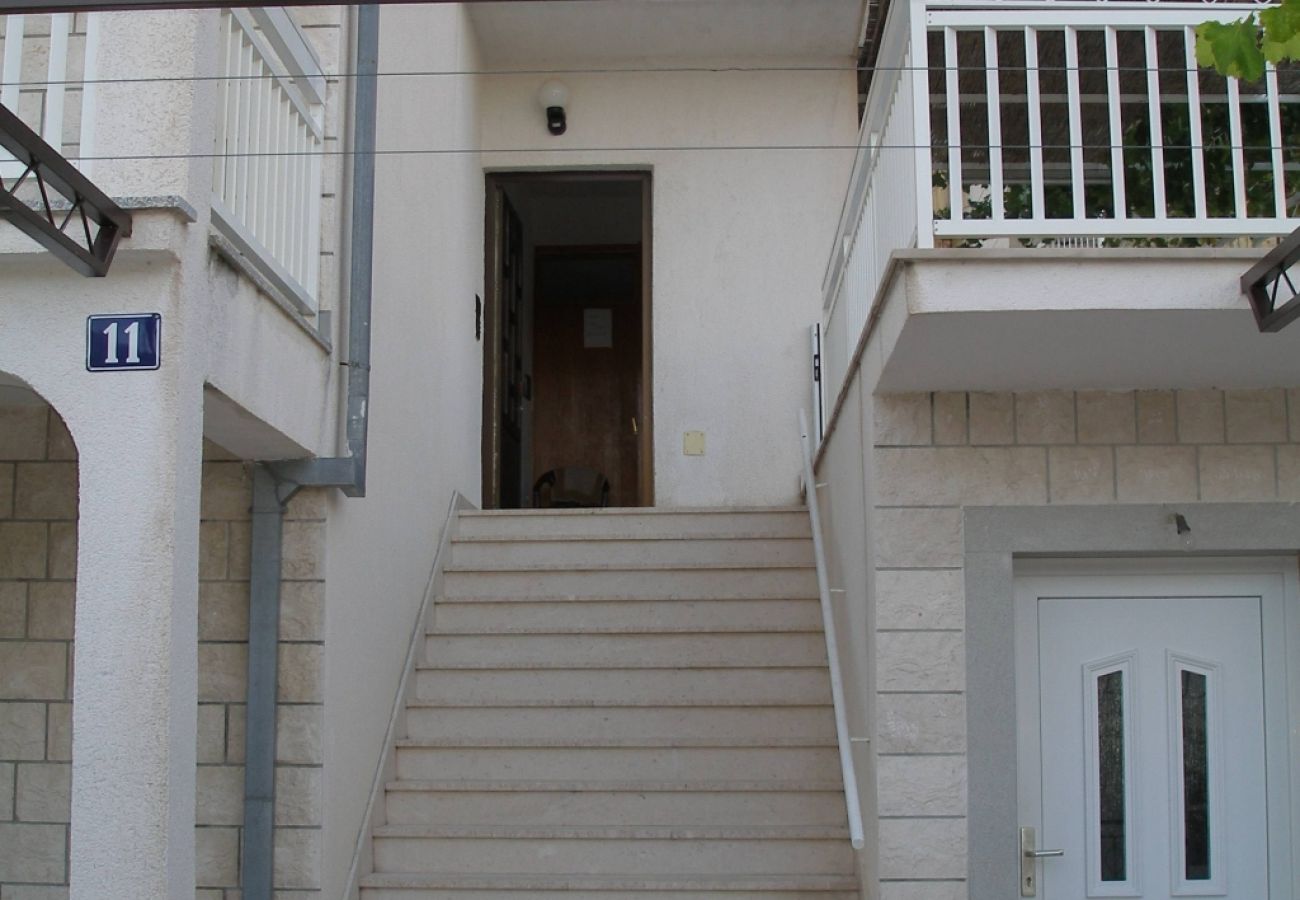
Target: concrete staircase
620,704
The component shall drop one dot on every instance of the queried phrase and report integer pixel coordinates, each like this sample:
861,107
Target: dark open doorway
566,361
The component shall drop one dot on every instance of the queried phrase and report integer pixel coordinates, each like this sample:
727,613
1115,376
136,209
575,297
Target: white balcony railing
43,62
266,187
1068,123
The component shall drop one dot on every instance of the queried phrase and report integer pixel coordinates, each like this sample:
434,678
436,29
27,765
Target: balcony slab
1123,318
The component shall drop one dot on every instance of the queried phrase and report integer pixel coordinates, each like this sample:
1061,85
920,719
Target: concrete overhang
574,33
1002,320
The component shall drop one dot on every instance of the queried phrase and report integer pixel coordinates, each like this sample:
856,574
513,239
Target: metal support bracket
1271,285
82,226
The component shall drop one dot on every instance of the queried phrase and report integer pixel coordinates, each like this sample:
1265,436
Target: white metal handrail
847,770
266,185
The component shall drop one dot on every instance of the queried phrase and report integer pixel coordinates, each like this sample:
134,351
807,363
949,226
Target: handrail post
847,770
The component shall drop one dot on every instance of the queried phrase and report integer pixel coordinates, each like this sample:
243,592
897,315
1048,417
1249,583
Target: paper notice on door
597,328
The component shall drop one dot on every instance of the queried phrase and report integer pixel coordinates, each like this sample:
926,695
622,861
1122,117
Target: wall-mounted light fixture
553,97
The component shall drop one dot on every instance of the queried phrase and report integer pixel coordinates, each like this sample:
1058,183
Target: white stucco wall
425,402
739,239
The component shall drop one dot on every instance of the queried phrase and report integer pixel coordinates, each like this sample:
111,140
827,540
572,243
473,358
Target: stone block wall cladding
38,566
935,453
224,533
38,509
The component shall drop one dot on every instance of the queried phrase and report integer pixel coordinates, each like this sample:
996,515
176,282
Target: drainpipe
276,482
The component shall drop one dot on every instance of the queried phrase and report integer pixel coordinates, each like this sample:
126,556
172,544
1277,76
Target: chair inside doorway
571,487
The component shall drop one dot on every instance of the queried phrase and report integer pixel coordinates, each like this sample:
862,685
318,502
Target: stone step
422,761
596,804
690,616
626,687
709,726
480,553
649,524
605,651
426,886
512,850
682,583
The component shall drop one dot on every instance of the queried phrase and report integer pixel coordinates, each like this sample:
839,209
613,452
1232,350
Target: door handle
634,428
1029,856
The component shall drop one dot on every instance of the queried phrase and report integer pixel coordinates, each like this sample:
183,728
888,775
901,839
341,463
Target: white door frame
1275,581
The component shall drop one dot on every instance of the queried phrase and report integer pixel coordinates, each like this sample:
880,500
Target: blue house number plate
123,342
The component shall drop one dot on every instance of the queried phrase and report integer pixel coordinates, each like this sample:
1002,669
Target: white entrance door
1142,739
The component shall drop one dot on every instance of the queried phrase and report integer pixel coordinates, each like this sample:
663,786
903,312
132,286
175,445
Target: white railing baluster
1034,104
56,88
43,101
1118,187
915,81
891,197
89,96
1075,105
12,72
223,117
312,212
1275,142
1238,146
1157,125
13,65
267,192
992,85
1195,131
952,72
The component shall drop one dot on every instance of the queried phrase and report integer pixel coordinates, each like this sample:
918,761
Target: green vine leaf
1231,48
1281,32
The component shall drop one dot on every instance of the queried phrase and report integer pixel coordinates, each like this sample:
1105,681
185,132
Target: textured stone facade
223,682
38,520
936,453
38,558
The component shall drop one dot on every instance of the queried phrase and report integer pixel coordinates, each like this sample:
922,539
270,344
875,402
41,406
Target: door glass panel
1110,776
1196,789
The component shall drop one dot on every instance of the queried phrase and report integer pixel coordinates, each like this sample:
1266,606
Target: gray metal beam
61,224
1273,285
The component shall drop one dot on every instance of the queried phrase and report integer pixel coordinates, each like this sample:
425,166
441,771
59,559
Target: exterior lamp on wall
553,96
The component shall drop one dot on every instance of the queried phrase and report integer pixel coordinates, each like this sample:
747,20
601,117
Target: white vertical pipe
1275,142
1076,120
1034,106
56,80
832,647
952,94
1195,135
1118,188
1157,125
1238,146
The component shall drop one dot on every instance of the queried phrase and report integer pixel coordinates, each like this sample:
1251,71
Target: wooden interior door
587,364
503,339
